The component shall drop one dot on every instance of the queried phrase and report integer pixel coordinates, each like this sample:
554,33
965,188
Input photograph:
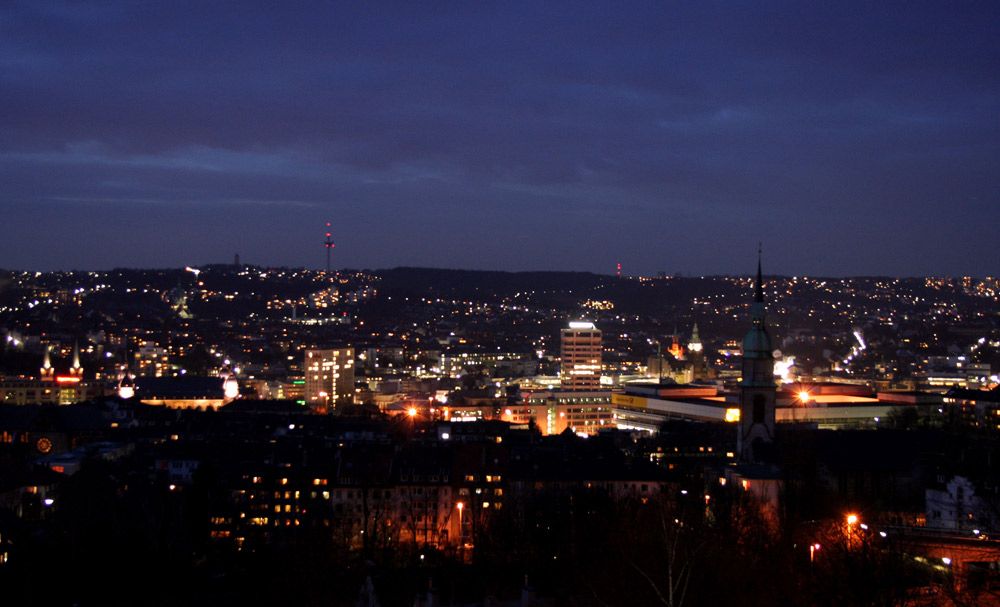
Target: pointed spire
760,278
76,355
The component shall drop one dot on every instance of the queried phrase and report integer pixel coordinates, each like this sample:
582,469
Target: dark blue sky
850,138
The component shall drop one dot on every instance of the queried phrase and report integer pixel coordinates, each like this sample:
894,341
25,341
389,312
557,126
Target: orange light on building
66,379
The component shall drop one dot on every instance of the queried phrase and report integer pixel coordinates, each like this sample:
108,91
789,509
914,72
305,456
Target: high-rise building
152,361
758,391
581,357
329,378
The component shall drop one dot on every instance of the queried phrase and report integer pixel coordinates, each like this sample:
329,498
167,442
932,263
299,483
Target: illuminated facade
186,392
581,357
60,390
53,388
152,361
329,378
554,411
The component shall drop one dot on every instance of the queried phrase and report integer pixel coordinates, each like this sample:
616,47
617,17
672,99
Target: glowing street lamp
852,520
461,536
412,412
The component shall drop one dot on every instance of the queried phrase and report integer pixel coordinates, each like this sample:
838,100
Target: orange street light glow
412,412
852,518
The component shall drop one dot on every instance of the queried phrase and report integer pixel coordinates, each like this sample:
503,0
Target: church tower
48,373
757,391
77,369
696,356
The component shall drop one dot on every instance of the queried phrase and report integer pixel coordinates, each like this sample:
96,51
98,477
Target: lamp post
852,520
461,536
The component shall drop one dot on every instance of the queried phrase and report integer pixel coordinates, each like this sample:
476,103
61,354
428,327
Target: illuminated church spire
48,373
76,370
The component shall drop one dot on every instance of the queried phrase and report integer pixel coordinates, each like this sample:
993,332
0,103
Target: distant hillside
479,283
562,290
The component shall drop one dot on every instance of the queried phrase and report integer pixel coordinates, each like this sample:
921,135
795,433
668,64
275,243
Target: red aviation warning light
619,269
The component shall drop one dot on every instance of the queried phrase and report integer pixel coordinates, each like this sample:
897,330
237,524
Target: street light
461,537
812,552
852,519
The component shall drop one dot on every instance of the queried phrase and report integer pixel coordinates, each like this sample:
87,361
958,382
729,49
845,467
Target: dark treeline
134,543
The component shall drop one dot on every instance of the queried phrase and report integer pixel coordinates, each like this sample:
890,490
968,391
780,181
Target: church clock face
43,445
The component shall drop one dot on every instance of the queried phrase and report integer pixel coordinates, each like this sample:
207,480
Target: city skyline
853,140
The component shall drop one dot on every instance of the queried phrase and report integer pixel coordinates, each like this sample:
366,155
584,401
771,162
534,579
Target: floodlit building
329,378
187,392
52,387
581,357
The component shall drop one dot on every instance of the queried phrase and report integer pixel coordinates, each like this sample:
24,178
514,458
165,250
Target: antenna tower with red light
329,245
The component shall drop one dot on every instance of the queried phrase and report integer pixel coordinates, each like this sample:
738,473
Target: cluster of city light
783,369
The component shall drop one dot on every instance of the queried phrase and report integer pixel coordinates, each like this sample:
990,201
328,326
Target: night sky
849,138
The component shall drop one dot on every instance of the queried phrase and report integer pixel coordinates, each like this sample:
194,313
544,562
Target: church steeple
48,373
757,391
757,343
695,344
76,370
759,297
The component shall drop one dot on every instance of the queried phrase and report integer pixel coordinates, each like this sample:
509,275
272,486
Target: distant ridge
468,284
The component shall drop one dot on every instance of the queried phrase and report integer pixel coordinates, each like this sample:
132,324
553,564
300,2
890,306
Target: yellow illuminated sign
625,400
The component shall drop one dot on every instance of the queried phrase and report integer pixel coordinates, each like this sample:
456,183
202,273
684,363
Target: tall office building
329,378
581,357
